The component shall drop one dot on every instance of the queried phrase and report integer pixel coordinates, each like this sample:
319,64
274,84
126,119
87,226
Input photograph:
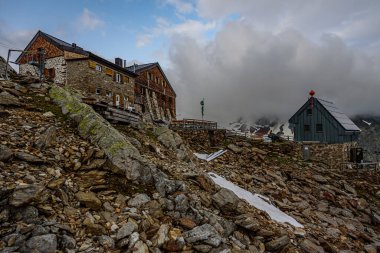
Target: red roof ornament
312,93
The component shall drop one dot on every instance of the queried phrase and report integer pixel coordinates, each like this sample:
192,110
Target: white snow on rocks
256,200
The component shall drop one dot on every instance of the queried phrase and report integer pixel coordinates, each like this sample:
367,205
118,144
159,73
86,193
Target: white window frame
117,100
98,67
109,94
118,78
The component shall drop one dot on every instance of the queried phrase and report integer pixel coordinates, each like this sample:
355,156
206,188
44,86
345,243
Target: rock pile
76,189
338,206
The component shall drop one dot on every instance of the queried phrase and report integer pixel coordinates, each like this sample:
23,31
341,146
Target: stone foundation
333,155
58,63
201,139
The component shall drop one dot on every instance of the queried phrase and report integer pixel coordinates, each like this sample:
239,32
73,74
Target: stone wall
333,155
201,139
87,80
58,63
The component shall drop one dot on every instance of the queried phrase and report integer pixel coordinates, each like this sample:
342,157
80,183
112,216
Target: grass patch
41,104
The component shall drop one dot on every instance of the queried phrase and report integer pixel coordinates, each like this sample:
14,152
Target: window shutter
126,79
109,71
52,72
121,78
92,64
46,73
114,76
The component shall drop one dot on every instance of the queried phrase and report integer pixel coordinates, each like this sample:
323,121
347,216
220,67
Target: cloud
89,21
181,6
13,39
312,18
190,28
248,72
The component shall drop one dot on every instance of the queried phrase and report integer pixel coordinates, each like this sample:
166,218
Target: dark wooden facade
152,79
320,121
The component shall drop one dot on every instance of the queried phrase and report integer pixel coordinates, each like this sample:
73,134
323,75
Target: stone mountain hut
321,121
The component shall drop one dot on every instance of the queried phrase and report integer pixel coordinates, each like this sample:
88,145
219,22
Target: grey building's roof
342,118
333,110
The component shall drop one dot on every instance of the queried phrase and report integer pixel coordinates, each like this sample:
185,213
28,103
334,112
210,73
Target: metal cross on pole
203,107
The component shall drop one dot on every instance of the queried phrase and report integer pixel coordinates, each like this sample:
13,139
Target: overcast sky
247,58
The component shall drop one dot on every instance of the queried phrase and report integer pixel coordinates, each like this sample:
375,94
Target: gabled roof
342,118
65,46
56,42
142,67
333,110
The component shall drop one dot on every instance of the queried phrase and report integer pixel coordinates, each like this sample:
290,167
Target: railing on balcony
193,124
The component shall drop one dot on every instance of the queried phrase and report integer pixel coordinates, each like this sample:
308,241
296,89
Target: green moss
46,106
115,147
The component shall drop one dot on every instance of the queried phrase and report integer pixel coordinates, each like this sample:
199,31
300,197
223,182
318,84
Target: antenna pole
6,66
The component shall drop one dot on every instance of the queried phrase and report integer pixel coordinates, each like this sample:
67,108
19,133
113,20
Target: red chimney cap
312,93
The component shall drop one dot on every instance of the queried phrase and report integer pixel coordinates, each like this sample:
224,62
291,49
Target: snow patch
210,157
259,201
368,123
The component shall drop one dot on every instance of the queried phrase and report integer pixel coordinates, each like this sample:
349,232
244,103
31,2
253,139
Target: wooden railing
193,124
113,113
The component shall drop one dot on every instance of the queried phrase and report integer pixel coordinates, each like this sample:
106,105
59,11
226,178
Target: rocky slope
72,182
369,138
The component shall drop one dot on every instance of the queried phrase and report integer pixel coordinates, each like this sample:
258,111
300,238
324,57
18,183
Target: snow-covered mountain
261,127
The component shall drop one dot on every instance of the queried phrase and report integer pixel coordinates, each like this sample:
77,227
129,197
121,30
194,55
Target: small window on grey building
319,128
309,112
306,128
97,91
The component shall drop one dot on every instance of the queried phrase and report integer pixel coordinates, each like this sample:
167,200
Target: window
319,128
117,100
157,80
150,76
118,77
306,128
97,91
109,93
309,112
98,67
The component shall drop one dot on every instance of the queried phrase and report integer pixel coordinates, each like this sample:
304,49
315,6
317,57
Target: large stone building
70,65
153,91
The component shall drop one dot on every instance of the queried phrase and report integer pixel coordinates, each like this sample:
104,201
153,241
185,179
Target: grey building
321,121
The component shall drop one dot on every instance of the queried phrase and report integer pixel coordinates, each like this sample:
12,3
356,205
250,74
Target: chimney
134,67
119,62
125,63
74,45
